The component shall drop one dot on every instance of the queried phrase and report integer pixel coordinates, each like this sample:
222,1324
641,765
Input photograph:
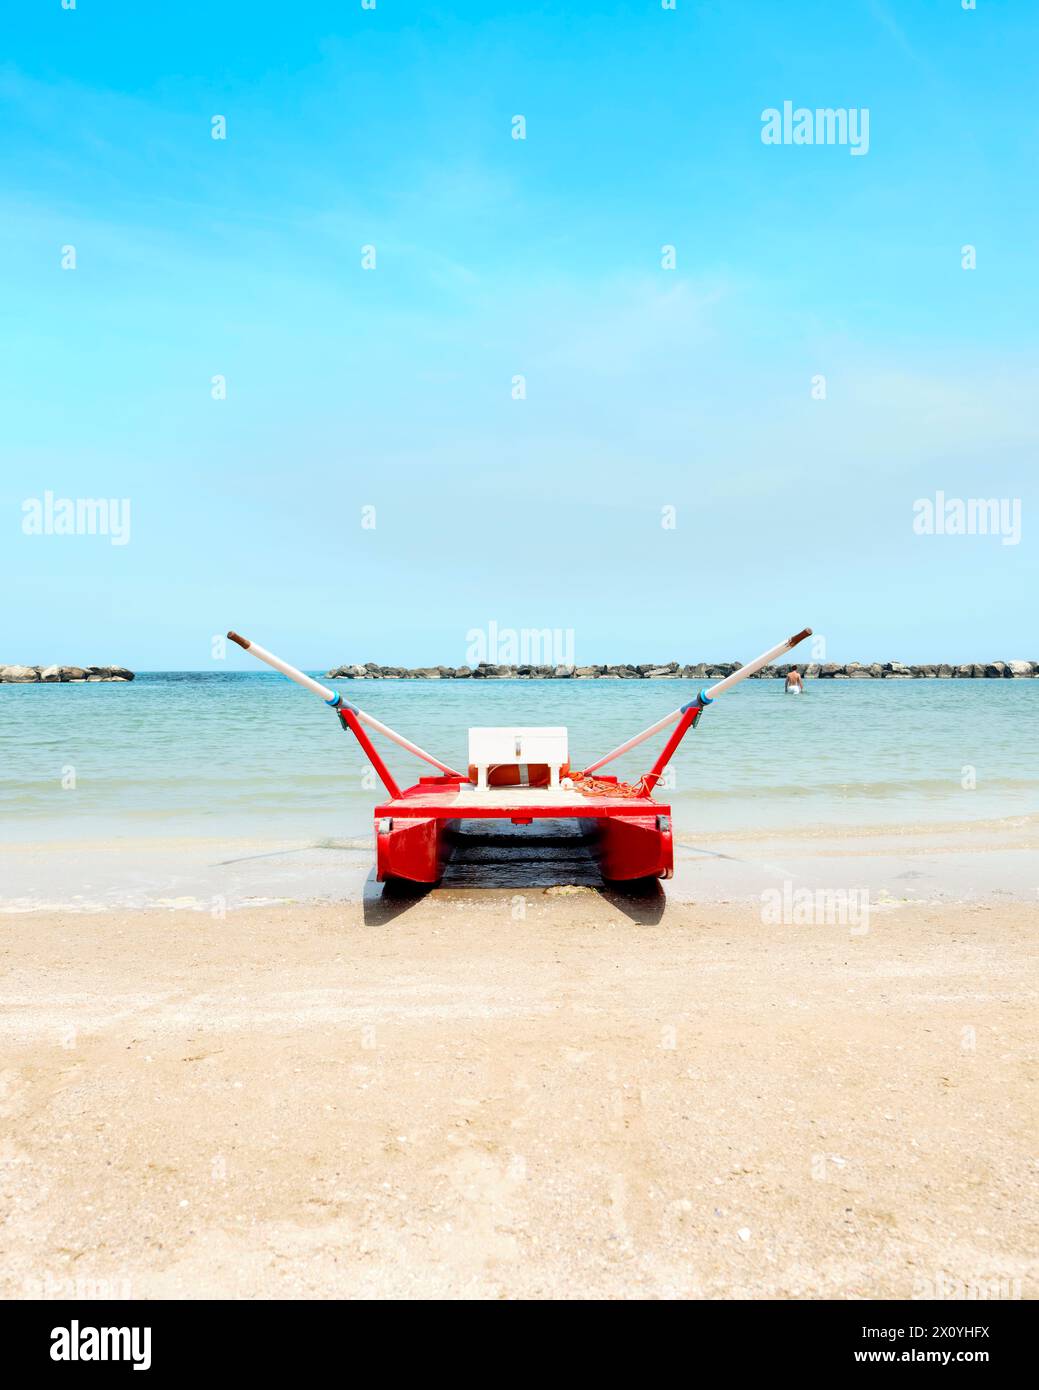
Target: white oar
763,660
307,682
705,697
333,698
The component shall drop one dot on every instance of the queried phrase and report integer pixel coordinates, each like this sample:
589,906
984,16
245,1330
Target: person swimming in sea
794,683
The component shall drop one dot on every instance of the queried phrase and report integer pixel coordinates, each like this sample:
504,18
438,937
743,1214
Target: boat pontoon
522,776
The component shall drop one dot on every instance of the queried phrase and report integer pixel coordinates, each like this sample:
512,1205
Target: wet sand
954,862
528,1093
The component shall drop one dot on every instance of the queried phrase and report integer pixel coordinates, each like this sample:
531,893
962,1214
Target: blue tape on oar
701,700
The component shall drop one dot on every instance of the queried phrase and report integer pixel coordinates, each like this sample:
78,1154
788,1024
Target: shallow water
187,753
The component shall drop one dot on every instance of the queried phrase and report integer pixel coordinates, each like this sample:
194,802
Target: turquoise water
205,754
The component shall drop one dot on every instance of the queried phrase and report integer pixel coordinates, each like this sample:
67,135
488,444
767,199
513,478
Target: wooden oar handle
791,641
242,641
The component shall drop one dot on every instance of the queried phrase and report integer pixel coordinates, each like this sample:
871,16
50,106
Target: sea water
204,754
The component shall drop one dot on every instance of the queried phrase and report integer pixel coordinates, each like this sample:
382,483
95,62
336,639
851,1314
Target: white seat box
516,747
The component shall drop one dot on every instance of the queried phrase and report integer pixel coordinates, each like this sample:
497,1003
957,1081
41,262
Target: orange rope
599,786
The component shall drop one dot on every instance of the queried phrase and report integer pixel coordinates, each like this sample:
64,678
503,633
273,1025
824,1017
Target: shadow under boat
510,857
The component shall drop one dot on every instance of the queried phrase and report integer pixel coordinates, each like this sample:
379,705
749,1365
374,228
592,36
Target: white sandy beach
497,1093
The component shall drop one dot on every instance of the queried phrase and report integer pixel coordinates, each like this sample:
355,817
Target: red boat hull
414,832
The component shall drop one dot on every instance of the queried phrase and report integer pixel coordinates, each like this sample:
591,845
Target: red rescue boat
521,776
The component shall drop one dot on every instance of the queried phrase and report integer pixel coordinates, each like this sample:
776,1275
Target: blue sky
646,388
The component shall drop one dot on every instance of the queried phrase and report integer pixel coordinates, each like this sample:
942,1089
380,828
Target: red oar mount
415,829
